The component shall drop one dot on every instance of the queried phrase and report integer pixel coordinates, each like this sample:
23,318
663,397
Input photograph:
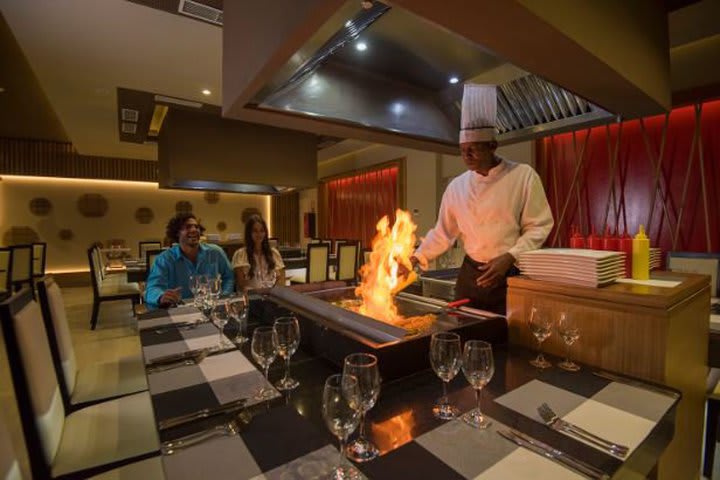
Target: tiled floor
115,336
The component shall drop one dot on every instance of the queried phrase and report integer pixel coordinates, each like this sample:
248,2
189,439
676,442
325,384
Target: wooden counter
656,333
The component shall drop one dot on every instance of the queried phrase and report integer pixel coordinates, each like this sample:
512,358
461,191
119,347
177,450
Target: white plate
573,281
579,253
590,276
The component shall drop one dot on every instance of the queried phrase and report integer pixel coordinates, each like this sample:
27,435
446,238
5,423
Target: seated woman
257,265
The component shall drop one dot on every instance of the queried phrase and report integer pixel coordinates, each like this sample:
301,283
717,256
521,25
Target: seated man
169,278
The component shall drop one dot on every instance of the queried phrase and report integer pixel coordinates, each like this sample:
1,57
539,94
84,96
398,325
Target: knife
558,456
634,383
204,413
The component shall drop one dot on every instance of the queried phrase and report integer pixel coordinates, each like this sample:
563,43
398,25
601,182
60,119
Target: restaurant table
287,437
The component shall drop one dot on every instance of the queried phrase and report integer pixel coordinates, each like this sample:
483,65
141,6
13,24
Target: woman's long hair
250,245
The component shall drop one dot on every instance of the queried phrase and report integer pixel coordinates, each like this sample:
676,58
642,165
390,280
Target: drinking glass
364,367
445,358
478,367
342,415
541,327
214,288
238,307
264,351
287,333
570,332
198,285
220,318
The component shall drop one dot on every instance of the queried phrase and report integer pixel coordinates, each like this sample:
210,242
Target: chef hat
479,113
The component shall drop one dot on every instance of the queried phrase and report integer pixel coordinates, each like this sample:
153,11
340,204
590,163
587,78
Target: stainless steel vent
200,11
128,127
129,115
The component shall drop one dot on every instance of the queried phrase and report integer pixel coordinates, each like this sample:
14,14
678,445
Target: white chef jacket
505,211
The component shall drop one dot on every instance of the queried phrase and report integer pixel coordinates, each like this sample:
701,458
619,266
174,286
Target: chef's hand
171,297
403,271
493,272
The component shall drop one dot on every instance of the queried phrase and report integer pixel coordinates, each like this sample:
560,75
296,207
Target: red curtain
665,176
351,206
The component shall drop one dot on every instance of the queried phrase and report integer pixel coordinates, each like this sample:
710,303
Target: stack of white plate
655,258
575,266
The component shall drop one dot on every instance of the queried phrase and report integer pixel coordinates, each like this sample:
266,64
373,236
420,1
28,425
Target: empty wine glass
264,351
287,333
220,318
238,307
541,327
570,332
214,288
478,367
445,358
342,415
364,367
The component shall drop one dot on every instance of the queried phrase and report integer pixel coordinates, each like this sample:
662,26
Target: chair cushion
105,433
150,469
97,381
296,275
108,290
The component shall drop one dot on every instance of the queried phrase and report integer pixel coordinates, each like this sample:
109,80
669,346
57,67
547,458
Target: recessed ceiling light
206,92
454,80
361,46
348,23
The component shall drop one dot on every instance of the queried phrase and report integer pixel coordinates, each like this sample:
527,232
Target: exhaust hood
383,74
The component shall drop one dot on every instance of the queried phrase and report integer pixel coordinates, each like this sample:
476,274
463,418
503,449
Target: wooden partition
656,333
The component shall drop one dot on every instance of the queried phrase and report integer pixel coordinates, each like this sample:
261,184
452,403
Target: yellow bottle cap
641,234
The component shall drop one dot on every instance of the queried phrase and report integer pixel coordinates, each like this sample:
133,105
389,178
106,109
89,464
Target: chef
497,208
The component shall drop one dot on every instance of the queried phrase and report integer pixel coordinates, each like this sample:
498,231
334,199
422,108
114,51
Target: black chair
106,291
347,261
39,251
21,273
57,441
148,245
5,272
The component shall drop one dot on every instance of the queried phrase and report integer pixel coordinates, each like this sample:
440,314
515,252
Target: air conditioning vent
129,115
200,11
127,127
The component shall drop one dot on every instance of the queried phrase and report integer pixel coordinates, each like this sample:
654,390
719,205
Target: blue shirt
172,269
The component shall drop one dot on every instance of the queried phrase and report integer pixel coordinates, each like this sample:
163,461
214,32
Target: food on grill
414,325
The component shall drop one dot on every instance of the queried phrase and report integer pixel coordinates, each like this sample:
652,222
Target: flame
391,248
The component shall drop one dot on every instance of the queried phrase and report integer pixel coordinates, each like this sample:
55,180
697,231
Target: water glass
198,287
264,351
220,318
214,288
364,367
287,333
238,308
342,416
445,359
478,367
569,330
541,327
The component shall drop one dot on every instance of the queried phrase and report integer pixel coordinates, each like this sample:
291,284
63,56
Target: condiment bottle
576,240
626,245
641,256
610,241
594,241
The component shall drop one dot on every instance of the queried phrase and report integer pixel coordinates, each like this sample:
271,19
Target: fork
556,423
228,429
183,363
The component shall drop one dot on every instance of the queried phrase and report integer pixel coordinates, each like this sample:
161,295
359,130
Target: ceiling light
361,46
454,80
348,23
206,92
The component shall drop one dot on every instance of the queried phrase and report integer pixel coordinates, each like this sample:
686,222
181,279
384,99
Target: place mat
177,340
456,450
262,450
176,315
217,380
617,412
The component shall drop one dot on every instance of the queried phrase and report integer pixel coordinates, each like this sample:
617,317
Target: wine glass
287,333
478,367
569,330
198,285
220,318
264,351
214,288
238,307
364,367
342,415
541,327
445,358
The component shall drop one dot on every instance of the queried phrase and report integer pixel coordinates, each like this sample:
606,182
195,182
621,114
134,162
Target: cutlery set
184,359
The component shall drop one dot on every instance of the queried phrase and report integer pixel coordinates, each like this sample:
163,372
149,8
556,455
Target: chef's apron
492,299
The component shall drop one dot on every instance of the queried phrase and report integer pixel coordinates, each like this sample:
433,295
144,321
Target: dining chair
105,290
230,237
274,242
5,271
9,464
39,252
22,265
78,442
148,245
347,261
92,382
318,255
366,255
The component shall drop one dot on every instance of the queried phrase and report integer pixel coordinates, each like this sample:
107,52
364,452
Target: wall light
361,46
454,80
206,92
